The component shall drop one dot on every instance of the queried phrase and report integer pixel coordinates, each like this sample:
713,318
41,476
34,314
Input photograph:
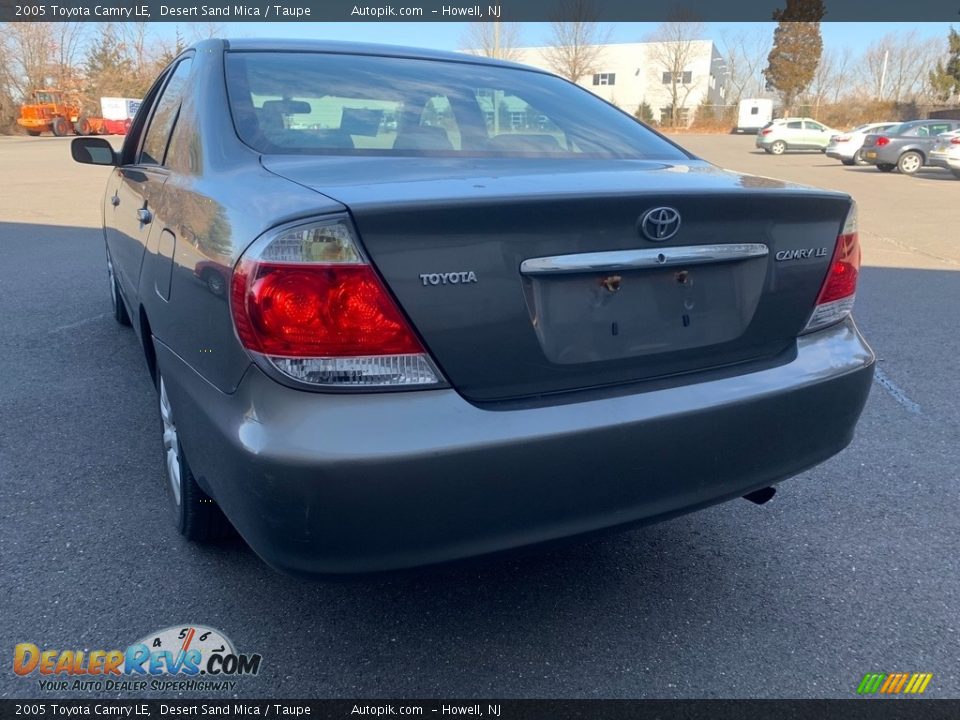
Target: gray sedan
403,307
905,147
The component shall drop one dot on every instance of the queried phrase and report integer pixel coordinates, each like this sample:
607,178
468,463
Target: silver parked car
946,153
846,147
404,307
778,136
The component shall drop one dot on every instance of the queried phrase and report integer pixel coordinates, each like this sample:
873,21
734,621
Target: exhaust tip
761,496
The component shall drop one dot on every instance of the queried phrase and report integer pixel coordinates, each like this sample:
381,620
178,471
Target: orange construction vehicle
49,112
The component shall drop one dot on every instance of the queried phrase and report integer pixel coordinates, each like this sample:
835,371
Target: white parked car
845,147
784,134
946,154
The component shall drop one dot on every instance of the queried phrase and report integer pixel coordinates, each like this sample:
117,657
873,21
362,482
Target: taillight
882,140
767,131
305,300
836,297
840,138
955,140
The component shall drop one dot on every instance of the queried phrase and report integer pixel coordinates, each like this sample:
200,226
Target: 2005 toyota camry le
403,307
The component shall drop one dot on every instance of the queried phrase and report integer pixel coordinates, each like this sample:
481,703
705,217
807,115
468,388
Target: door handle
144,216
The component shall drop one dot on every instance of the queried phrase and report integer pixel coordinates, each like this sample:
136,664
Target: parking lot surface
852,568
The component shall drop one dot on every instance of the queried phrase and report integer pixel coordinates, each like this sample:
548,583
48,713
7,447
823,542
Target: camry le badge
660,223
800,254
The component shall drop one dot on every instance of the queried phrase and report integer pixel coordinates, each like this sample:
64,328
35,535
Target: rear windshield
319,103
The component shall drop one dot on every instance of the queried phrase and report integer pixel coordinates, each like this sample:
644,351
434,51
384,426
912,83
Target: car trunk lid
535,277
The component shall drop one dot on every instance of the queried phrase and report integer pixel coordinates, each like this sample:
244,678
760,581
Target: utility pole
883,74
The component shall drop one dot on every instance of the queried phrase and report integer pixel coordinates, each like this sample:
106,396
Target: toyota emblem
660,223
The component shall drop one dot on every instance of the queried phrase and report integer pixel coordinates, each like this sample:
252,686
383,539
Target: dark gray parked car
905,147
403,307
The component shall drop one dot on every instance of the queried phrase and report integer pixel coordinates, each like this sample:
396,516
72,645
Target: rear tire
83,127
778,148
119,309
196,515
215,282
886,167
858,158
59,127
910,162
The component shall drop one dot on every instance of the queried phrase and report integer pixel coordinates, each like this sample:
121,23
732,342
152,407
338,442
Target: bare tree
745,52
841,75
493,39
896,67
39,55
673,53
822,80
576,42
204,31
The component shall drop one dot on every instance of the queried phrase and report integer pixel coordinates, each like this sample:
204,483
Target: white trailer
753,114
117,108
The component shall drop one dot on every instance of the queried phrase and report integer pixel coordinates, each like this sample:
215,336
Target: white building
629,74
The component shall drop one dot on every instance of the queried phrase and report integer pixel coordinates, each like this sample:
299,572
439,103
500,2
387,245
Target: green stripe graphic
871,683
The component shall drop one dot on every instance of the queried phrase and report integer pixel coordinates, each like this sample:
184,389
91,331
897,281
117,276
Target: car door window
817,127
795,125
158,133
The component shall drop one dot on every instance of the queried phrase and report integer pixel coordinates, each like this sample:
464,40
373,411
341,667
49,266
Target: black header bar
853,709
852,11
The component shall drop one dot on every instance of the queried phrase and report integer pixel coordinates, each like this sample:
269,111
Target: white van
753,114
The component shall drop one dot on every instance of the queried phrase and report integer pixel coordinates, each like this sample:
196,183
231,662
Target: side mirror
93,151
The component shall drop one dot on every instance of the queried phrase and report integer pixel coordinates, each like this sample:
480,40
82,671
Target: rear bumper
882,156
33,123
940,161
837,154
355,483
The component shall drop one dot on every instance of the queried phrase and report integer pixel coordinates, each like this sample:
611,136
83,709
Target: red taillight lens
289,310
841,280
955,140
882,140
766,132
838,292
308,305
841,138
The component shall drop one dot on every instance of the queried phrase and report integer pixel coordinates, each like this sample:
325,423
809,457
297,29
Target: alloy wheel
910,163
171,444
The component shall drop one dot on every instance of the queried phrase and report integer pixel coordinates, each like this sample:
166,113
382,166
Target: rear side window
318,103
158,133
795,125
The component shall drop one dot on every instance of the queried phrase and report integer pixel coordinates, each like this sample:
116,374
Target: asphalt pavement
852,568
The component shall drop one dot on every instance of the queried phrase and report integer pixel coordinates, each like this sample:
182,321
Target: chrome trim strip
639,259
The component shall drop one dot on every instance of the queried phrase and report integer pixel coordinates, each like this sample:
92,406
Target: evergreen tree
945,79
797,47
644,113
106,70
